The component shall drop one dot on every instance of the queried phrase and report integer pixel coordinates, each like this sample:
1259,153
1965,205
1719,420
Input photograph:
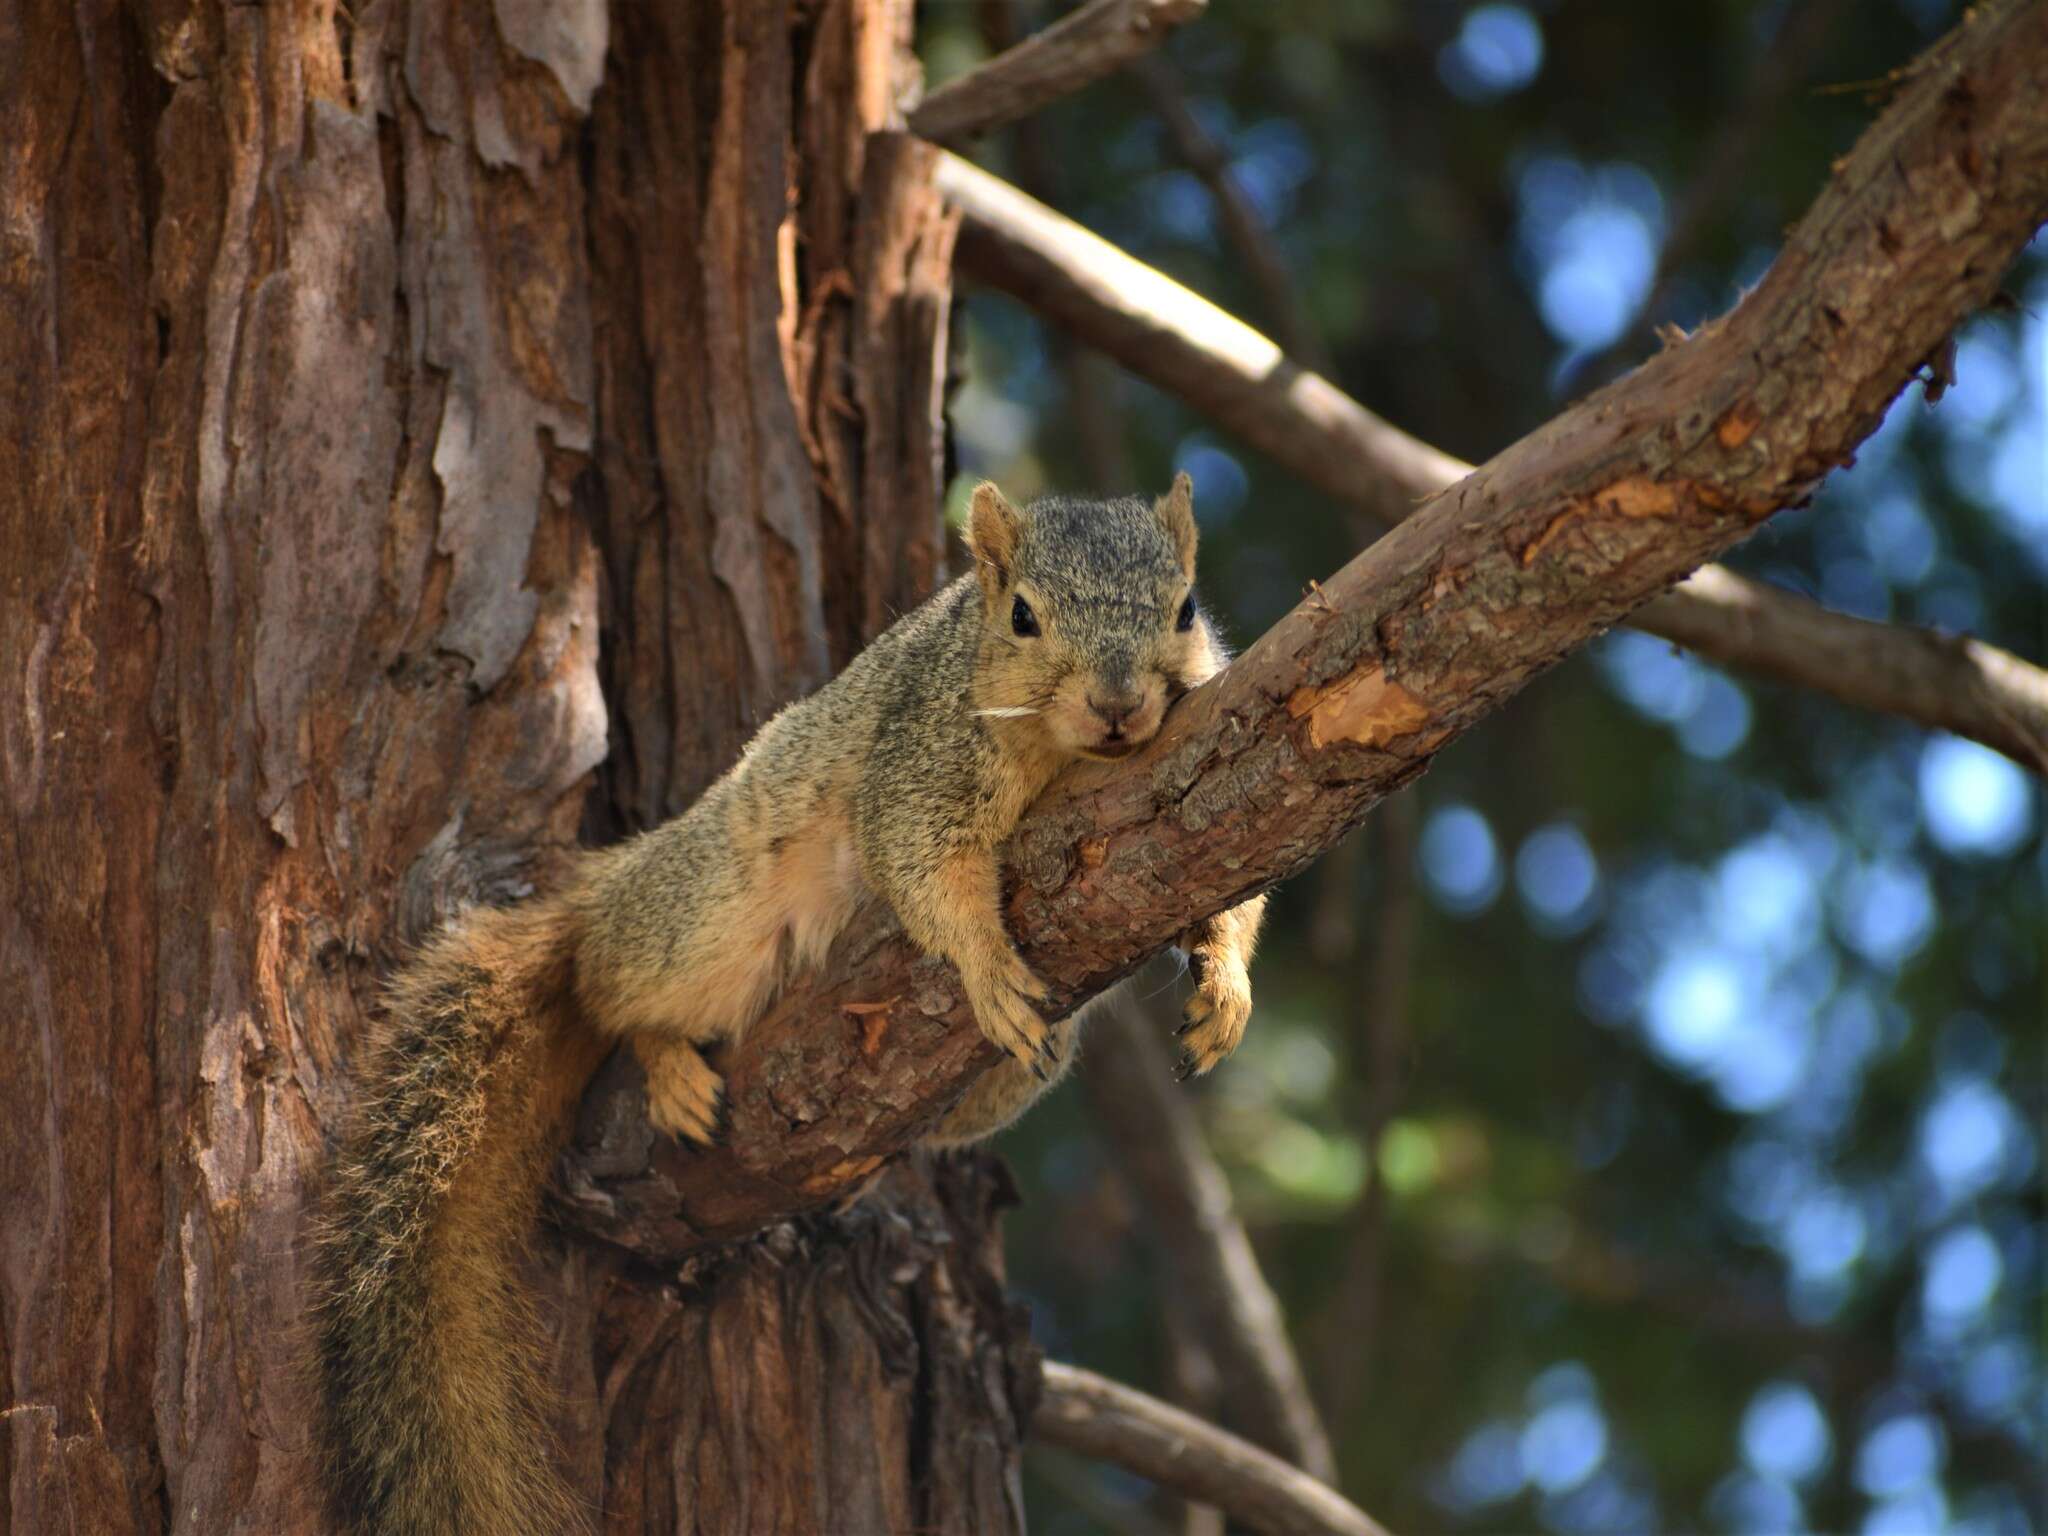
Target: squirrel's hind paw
1214,1018
684,1096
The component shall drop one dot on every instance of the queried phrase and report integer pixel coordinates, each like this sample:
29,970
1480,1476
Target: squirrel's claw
1213,1021
685,1097
1003,997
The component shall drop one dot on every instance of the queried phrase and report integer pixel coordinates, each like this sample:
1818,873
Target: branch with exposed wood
1245,384
1090,1415
1075,51
1415,642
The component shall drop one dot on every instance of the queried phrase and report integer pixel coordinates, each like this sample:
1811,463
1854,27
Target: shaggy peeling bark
1413,643
394,425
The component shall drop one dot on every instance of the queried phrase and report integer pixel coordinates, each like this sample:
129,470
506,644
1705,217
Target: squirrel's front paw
684,1095
1214,1016
1003,994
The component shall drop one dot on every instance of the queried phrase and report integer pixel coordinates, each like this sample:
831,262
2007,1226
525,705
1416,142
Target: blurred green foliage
1712,1170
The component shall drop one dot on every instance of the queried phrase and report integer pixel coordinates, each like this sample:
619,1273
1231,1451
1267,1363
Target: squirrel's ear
1176,510
992,526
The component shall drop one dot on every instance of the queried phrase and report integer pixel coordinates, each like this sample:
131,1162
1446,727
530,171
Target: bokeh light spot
1973,800
1558,877
1784,1433
1964,1136
1460,859
1886,911
1497,51
1562,1444
1963,1271
1902,1453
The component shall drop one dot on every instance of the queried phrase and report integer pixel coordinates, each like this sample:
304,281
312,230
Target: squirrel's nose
1115,709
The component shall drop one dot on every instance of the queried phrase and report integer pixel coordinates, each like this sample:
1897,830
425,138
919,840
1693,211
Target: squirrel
899,780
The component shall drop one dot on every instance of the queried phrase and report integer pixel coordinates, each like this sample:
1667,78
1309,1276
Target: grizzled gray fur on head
1111,553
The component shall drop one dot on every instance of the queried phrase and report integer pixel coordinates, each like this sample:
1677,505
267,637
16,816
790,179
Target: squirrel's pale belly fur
897,781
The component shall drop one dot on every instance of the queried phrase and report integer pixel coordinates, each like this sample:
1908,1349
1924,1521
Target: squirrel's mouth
1114,748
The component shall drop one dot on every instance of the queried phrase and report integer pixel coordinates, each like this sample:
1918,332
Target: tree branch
1951,682
1075,51
1409,646
1350,1327
1216,1277
1093,1416
1243,230
1242,381
1786,55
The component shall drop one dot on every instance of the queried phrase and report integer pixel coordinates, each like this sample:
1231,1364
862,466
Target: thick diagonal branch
1242,381
1413,643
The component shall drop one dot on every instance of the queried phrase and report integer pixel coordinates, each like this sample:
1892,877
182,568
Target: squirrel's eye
1187,614
1022,620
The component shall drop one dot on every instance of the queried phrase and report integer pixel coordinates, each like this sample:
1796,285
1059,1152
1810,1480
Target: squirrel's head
1090,627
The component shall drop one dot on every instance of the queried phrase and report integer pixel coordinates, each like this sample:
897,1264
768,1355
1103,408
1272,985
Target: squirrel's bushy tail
426,1343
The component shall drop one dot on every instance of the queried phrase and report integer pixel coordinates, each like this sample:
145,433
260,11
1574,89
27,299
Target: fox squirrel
901,778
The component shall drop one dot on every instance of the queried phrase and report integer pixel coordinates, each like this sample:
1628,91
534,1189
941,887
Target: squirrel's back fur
898,780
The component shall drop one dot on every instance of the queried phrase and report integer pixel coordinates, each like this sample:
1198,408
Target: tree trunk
431,432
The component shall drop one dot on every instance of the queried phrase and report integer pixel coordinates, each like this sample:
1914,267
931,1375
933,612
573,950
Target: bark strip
1413,643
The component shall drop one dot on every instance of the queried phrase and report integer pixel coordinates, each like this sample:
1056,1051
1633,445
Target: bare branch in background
1075,51
1243,230
1787,57
1415,642
1192,1384
1093,1416
1950,681
1092,384
1079,1481
1215,1275
1380,1042
1244,383
1382,979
